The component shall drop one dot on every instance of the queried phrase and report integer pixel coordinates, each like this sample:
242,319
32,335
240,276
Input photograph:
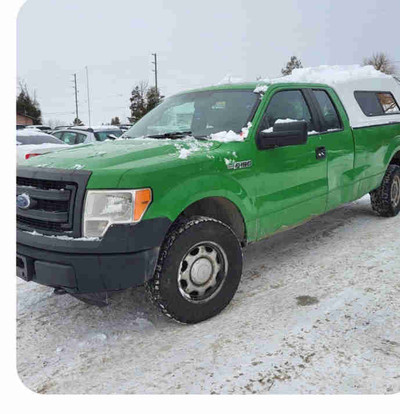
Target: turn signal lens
142,201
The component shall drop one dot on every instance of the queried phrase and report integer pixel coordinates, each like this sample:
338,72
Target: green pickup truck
172,202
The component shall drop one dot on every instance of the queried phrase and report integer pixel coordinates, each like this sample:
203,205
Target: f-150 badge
237,165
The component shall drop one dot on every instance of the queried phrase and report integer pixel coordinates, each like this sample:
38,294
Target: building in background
24,119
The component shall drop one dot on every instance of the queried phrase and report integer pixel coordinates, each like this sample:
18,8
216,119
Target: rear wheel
198,271
385,200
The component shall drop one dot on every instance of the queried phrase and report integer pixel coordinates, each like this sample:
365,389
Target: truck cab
172,203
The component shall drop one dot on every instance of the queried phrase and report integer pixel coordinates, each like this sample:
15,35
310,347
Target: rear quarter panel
375,146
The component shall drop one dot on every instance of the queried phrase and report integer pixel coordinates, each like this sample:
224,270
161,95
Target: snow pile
226,136
184,153
287,121
330,75
230,136
261,89
189,145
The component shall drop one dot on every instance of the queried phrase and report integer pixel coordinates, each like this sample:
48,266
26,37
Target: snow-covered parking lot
318,311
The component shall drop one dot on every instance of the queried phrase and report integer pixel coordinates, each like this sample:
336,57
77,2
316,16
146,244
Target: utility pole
155,70
88,94
76,97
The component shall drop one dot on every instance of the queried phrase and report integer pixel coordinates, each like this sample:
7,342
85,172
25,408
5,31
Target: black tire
385,200
184,241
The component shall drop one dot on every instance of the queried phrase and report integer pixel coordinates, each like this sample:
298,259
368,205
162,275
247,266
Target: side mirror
283,134
112,137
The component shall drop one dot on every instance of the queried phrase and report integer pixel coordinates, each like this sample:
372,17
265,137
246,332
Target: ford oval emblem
23,201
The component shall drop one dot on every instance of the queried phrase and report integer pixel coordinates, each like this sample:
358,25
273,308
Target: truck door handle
320,153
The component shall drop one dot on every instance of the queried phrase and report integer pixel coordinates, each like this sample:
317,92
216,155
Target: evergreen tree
115,121
26,105
138,102
143,99
153,98
294,63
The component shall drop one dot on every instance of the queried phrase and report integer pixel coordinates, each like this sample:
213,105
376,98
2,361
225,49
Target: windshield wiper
172,135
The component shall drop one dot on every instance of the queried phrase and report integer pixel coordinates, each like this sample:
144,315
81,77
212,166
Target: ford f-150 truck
172,202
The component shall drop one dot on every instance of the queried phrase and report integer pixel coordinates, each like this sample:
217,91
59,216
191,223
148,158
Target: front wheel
385,200
198,271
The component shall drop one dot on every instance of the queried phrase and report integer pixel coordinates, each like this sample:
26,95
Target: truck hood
123,154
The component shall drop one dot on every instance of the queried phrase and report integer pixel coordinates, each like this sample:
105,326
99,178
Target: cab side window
329,114
287,105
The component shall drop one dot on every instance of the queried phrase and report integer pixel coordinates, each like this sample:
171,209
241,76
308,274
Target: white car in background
43,128
86,135
31,143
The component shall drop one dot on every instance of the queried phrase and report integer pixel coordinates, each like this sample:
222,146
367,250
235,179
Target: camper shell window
377,103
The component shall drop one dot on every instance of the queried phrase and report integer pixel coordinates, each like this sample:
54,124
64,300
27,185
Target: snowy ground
318,311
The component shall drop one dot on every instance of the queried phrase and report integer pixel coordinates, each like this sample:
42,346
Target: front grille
56,198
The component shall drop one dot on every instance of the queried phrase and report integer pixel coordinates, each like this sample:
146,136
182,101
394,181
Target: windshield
198,113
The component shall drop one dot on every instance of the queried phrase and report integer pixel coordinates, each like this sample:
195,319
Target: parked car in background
86,135
61,127
31,143
125,127
43,128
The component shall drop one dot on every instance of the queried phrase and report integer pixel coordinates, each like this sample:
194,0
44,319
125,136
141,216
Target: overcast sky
197,44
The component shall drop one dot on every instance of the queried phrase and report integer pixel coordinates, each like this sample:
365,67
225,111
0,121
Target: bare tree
381,61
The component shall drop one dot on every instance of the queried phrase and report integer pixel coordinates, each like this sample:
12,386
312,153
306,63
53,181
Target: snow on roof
330,75
31,132
345,80
99,127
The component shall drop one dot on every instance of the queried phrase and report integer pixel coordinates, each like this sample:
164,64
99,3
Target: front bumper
125,257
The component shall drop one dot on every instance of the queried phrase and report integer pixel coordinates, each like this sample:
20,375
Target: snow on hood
111,154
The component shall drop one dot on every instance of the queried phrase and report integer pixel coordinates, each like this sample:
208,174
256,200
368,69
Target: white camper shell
348,82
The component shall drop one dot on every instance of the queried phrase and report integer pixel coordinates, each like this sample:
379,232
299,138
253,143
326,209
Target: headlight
104,207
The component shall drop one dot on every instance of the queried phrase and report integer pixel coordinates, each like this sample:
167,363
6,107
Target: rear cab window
376,103
330,117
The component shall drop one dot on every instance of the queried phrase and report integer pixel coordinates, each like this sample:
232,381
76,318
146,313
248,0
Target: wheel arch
219,208
396,159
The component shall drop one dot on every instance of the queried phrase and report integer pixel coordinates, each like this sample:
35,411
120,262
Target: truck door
292,183
337,140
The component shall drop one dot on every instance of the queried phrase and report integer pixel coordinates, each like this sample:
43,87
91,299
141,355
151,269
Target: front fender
174,201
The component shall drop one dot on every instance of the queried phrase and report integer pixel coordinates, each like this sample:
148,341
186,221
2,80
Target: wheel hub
202,271
395,191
